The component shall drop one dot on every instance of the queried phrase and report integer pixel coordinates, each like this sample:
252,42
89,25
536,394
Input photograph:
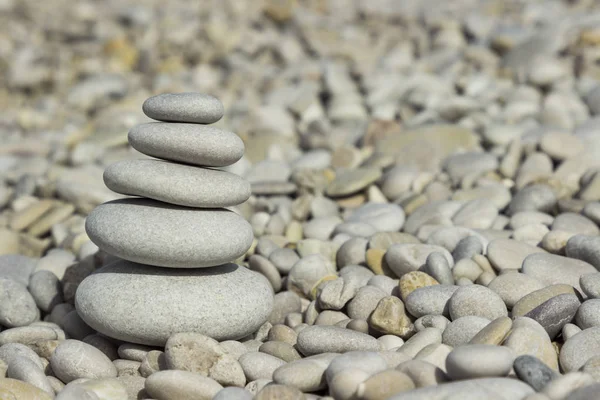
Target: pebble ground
425,181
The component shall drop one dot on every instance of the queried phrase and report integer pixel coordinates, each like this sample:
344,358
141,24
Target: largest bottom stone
144,304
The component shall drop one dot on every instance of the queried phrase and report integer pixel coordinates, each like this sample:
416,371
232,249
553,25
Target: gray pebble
460,331
323,339
585,248
45,289
580,348
189,107
533,198
552,269
73,359
173,384
161,180
588,314
17,267
438,267
430,300
187,143
534,372
17,307
259,365
476,300
590,285
554,313
479,361
467,248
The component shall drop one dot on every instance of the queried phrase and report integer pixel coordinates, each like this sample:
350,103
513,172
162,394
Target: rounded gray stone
155,233
513,286
588,314
479,361
174,384
476,300
533,371
332,339
463,329
17,307
405,258
509,254
187,143
590,284
430,300
73,359
579,348
190,107
257,365
46,290
585,248
177,184
142,304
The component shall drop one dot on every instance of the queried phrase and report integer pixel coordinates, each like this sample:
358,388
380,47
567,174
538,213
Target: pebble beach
300,200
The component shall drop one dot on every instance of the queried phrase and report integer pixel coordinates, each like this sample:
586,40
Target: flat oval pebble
177,184
136,303
430,300
17,307
307,374
187,143
184,385
476,300
579,348
332,339
479,361
191,107
74,359
154,233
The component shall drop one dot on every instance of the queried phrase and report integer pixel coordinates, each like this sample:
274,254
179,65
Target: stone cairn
174,241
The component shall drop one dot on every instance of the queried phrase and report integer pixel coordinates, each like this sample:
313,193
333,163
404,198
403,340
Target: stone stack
175,239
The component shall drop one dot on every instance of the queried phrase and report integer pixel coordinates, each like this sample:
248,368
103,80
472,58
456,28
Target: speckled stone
154,233
136,303
479,361
533,371
187,143
190,107
579,348
177,184
332,339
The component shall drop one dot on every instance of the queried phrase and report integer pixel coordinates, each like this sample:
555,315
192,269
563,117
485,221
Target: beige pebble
414,280
389,317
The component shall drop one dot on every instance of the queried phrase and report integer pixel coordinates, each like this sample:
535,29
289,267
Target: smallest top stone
197,108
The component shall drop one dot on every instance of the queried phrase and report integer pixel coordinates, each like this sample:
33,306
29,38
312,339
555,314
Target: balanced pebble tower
175,240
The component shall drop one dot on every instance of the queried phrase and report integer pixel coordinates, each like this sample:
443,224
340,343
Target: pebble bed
424,196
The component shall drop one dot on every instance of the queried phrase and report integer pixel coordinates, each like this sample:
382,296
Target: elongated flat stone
142,304
191,107
156,233
177,184
187,143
